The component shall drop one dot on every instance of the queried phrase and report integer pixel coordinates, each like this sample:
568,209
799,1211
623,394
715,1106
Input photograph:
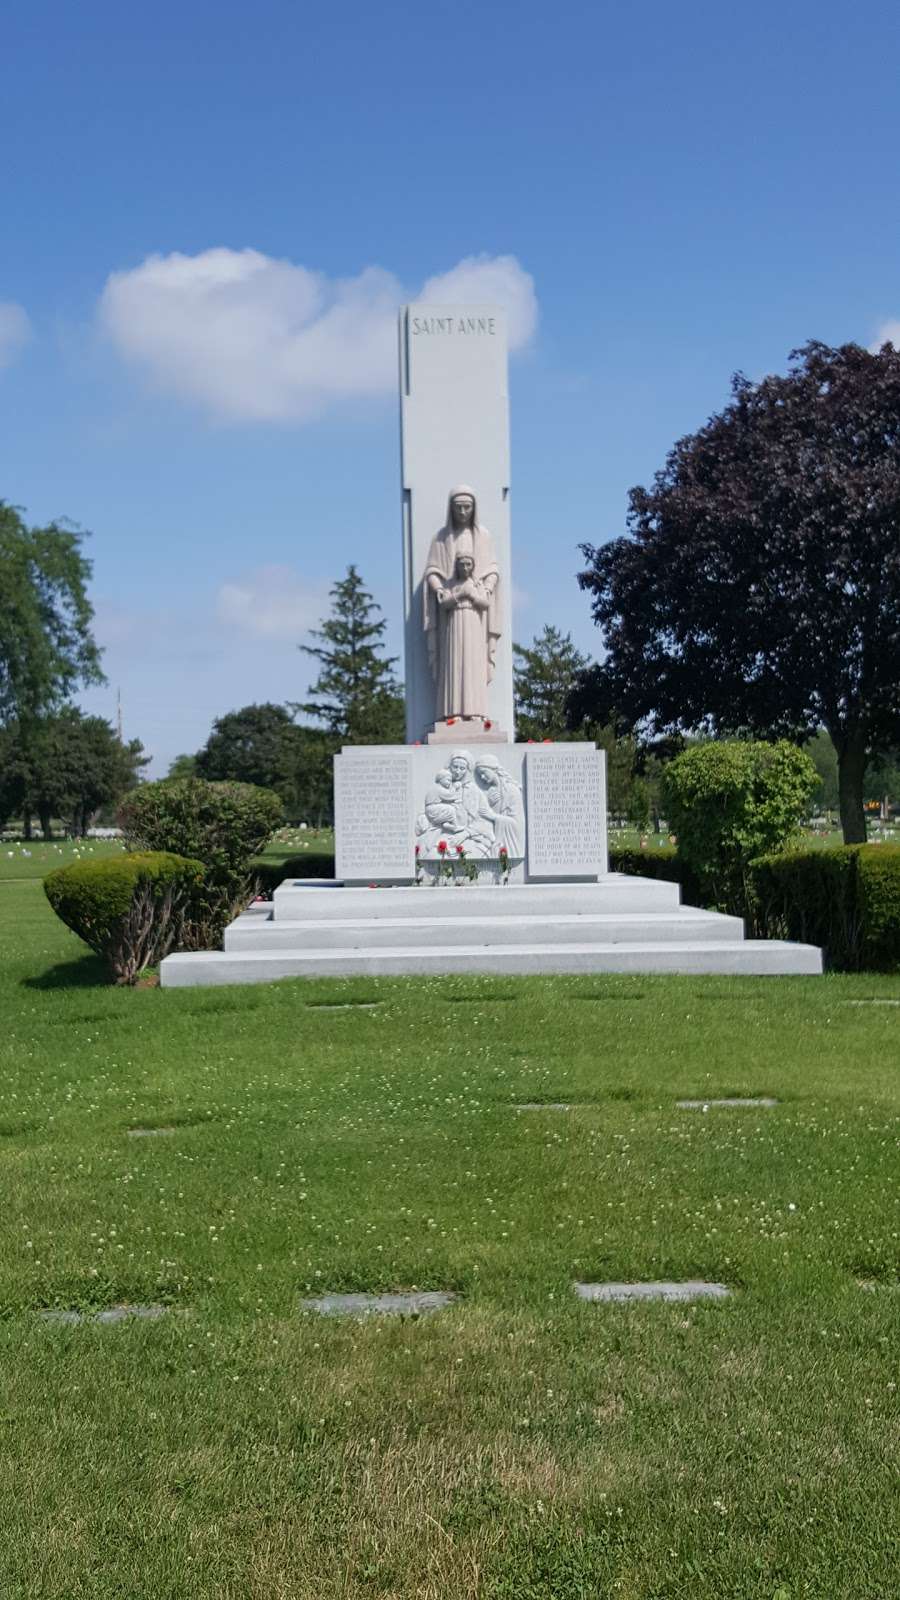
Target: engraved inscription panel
566,807
373,814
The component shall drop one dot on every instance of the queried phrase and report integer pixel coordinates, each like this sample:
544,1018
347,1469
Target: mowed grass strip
519,1442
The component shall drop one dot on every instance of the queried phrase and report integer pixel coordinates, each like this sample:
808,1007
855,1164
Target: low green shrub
846,899
224,825
131,909
731,801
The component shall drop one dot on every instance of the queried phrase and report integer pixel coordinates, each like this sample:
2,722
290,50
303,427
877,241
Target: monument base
475,810
462,730
312,929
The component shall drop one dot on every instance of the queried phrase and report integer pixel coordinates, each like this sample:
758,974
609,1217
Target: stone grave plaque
373,814
565,801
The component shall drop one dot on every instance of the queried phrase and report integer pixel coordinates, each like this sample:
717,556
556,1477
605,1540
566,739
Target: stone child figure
461,611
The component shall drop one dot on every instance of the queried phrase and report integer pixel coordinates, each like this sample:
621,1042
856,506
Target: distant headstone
691,1289
704,1105
368,1305
147,1313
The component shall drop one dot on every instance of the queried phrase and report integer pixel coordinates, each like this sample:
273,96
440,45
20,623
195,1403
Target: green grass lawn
521,1444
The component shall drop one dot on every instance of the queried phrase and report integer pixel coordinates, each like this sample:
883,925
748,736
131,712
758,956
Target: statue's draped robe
505,799
461,638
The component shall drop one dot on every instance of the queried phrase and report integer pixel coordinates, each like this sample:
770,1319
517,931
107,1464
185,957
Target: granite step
250,932
745,957
296,900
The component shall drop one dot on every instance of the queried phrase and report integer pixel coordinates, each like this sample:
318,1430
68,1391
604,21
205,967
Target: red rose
503,851
459,850
488,723
450,721
418,848
442,847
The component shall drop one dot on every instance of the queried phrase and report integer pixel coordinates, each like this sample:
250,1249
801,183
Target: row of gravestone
416,1303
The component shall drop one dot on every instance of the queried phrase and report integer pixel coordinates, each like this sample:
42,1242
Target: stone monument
460,799
454,426
518,829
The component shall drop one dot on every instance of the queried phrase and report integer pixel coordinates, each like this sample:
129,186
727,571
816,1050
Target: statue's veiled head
461,507
487,771
460,765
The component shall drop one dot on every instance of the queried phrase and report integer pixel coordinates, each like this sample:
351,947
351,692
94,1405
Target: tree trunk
46,821
851,754
26,824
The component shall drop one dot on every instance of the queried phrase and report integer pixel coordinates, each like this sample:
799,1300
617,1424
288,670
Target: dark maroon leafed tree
759,590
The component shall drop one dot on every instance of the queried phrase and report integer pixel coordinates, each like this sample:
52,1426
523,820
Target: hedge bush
846,899
269,874
221,824
131,909
657,862
731,801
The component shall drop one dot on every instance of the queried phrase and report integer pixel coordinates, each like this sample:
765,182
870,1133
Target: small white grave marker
691,1289
415,1304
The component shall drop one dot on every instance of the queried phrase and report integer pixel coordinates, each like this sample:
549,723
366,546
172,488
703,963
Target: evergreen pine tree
356,694
544,676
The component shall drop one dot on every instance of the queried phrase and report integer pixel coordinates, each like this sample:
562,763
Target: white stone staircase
314,928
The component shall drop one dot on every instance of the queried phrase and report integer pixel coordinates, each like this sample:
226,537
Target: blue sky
691,189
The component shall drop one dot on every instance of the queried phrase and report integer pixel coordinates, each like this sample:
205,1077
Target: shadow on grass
88,972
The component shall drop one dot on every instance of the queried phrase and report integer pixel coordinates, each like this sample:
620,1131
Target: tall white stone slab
565,799
374,804
454,421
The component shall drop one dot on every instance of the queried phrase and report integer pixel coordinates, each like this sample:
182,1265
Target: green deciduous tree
309,789
759,591
262,744
67,766
356,695
46,645
183,766
251,745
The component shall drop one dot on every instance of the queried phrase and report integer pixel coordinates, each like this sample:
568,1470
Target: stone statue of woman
461,612
506,811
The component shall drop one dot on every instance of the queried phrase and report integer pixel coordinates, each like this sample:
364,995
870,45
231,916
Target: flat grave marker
416,1304
741,1102
109,1314
691,1289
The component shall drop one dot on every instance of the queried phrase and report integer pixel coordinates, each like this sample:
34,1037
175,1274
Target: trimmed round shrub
224,825
731,801
131,909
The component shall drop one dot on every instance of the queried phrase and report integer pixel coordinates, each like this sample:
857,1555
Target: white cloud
271,602
888,333
252,338
490,280
15,330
